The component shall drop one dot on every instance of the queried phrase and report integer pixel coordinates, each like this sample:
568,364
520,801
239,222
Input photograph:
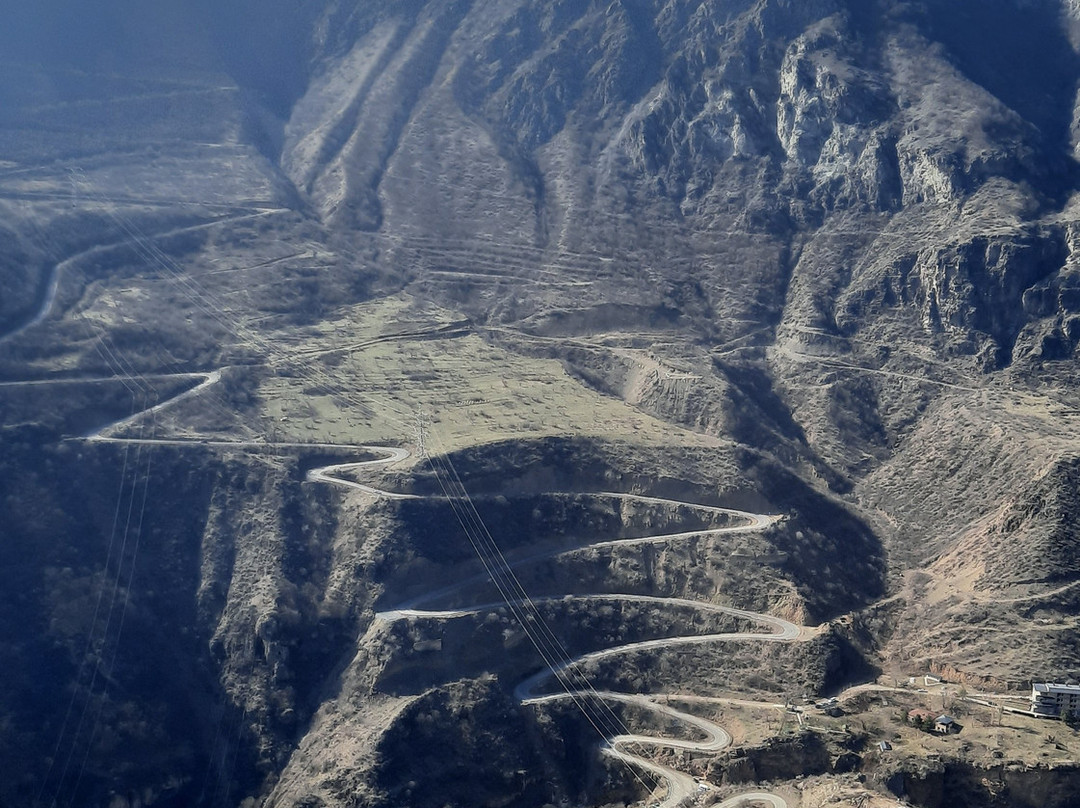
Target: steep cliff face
979,295
805,754
824,253
105,662
959,784
765,118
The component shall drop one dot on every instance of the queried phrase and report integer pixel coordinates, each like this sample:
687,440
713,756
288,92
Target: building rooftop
920,713
1051,687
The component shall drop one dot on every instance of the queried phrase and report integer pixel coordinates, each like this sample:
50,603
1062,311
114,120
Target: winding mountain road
328,474
52,279
104,434
680,785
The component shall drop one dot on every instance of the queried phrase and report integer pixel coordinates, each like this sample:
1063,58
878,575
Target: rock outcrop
819,258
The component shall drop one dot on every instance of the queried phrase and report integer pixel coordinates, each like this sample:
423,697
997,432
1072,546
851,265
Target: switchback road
714,738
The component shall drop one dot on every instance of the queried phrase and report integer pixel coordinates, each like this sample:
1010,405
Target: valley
513,403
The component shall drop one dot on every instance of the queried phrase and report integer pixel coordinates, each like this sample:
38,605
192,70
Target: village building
1048,699
919,715
946,725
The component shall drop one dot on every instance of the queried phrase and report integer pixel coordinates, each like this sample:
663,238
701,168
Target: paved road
100,379
209,378
786,632
326,474
53,281
752,798
679,784
752,522
103,434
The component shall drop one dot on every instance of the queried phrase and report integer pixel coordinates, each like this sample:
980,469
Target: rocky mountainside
633,274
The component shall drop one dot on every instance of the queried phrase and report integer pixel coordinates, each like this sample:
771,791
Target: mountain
359,361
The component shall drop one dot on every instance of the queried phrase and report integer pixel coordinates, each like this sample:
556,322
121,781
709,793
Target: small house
919,716
946,725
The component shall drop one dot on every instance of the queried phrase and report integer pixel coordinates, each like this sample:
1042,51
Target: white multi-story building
1052,699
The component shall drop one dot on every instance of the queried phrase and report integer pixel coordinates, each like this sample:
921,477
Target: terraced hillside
392,386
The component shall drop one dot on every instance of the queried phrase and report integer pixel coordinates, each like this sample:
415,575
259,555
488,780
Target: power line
524,609
547,644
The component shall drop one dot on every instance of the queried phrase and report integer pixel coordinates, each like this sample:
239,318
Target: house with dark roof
946,725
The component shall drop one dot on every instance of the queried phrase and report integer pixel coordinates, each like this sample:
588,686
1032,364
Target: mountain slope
814,259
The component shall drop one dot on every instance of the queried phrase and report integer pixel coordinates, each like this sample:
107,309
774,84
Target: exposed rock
804,754
932,785
826,251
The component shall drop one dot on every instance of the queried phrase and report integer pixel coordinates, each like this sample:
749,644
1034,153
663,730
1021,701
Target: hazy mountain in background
810,258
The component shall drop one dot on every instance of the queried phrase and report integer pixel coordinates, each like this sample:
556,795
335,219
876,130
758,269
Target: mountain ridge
811,259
